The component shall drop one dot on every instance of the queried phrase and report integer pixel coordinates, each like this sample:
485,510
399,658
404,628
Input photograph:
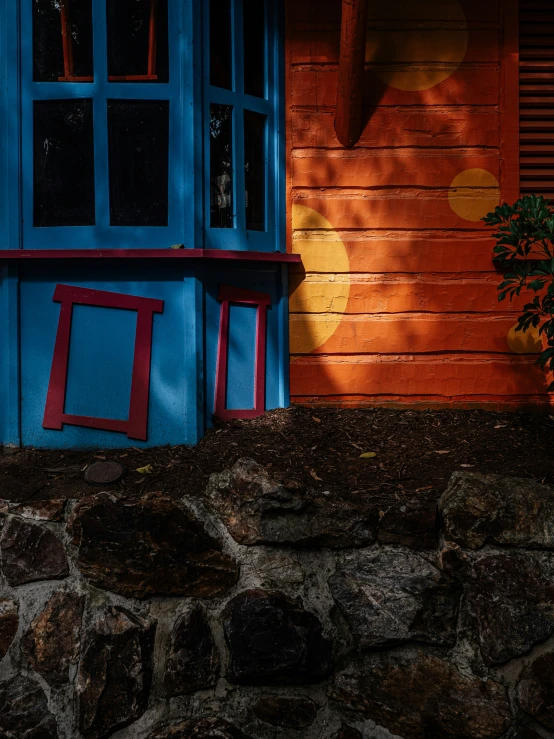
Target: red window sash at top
67,44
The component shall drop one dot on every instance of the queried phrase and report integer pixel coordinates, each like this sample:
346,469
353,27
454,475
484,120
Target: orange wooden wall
398,301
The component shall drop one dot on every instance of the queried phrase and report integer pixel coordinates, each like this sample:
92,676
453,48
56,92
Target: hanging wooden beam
353,32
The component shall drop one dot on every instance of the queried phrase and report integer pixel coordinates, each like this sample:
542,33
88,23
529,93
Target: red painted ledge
244,256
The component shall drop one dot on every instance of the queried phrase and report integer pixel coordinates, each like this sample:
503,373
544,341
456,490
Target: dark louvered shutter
536,88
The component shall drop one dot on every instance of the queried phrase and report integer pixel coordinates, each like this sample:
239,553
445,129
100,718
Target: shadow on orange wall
398,301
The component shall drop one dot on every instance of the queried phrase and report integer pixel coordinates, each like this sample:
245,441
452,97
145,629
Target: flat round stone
104,473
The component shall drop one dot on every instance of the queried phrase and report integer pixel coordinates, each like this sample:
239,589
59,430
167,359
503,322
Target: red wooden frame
239,256
237,295
67,44
136,425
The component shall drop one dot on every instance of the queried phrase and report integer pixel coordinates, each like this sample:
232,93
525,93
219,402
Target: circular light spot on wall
319,296
417,43
524,342
474,193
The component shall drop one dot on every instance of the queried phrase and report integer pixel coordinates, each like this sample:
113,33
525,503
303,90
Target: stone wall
260,609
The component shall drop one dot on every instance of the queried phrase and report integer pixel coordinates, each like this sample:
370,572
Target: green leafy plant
525,253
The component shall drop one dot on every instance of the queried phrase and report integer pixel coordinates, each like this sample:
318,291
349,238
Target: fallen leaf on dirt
146,470
443,451
316,419
314,474
427,487
381,514
368,455
501,426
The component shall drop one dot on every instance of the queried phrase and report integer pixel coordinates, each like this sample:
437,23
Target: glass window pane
221,166
254,47
254,169
221,66
137,40
138,136
63,163
62,40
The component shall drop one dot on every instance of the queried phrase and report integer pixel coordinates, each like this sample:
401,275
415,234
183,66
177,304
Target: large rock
411,523
512,604
258,509
535,691
206,728
24,711
272,640
52,642
9,622
193,661
115,672
388,597
285,711
31,552
478,509
424,697
149,546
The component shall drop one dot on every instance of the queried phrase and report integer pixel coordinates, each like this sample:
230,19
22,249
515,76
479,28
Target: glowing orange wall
398,302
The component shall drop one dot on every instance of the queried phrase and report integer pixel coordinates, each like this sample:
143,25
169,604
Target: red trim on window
136,425
67,44
239,256
229,294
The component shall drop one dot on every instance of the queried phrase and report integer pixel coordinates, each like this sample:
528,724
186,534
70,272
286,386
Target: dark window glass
221,166
254,47
63,163
62,40
137,40
221,67
138,134
254,169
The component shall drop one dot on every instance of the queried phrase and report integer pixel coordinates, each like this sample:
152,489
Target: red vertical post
67,41
259,377
152,40
353,33
137,424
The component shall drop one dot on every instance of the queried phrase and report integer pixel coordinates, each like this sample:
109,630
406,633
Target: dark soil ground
415,454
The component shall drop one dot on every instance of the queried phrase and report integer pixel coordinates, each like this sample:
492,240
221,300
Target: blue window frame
184,100
243,95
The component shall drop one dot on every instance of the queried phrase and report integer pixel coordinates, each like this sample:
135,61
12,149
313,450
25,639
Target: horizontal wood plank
392,334
405,375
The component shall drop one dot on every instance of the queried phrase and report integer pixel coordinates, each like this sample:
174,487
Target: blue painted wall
102,342
184,347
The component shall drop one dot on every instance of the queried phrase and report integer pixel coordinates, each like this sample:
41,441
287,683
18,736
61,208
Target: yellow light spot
322,253
416,43
474,193
524,342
